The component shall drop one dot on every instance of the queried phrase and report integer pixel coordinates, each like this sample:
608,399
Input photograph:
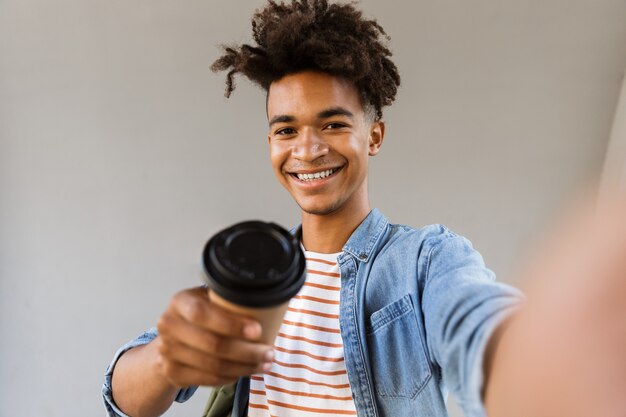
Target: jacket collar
363,240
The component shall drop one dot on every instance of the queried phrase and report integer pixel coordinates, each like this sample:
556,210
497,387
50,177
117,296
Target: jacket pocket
400,367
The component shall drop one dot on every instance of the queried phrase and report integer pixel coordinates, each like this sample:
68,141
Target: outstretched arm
564,352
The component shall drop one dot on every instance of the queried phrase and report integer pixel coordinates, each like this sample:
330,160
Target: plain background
614,171
119,156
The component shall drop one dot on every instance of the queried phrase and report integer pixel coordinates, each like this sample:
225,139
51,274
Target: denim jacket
417,309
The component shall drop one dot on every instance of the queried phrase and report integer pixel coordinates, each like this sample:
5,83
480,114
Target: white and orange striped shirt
308,377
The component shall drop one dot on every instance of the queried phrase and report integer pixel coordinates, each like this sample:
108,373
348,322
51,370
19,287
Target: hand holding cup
200,343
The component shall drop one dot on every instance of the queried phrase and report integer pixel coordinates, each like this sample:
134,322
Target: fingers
200,343
176,332
187,366
194,306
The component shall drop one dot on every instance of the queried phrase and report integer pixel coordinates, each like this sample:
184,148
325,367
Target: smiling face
320,140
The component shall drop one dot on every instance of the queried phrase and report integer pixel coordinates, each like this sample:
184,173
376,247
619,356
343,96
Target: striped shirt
308,377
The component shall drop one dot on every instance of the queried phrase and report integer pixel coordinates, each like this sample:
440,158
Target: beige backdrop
119,155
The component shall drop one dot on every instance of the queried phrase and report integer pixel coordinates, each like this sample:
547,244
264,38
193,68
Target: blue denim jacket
417,309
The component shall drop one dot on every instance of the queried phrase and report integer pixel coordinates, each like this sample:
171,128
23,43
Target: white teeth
316,176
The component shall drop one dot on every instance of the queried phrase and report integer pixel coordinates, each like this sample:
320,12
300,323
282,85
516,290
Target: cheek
359,150
277,157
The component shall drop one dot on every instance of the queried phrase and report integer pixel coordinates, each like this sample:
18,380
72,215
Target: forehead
311,92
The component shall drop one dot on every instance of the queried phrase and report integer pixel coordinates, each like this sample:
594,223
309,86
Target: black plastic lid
254,264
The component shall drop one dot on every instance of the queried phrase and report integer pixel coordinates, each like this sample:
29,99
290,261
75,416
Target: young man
391,317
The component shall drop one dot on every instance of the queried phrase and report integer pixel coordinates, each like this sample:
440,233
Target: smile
315,175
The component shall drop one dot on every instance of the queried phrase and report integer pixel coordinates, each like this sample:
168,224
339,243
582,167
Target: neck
328,233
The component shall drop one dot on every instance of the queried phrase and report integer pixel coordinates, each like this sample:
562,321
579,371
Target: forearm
528,373
139,389
503,387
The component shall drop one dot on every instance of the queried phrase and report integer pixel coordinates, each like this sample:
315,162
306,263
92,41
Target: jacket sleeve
107,391
462,305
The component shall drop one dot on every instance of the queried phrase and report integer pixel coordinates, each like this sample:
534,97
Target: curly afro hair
315,35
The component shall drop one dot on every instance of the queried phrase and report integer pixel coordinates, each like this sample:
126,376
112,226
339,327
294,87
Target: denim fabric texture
107,391
417,309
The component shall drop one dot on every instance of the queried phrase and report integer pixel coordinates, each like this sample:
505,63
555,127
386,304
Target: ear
377,134
268,139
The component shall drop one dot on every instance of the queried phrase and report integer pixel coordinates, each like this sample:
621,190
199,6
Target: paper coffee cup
253,269
270,318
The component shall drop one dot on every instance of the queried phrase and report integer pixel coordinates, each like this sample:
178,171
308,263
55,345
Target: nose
309,145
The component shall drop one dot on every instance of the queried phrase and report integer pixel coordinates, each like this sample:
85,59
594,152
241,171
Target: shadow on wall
615,163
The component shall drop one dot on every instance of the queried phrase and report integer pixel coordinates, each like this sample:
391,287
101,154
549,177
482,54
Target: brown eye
285,131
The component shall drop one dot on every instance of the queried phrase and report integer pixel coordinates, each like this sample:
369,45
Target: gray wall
119,155
615,161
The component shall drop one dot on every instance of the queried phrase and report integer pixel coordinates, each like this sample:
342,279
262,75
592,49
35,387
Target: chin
319,209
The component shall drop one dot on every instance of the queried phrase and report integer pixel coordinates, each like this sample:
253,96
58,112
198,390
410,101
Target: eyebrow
283,118
335,111
324,114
